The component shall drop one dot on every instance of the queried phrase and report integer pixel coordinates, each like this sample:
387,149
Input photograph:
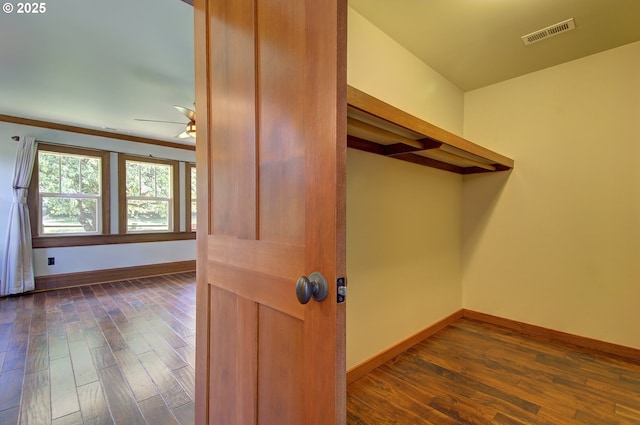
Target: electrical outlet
51,261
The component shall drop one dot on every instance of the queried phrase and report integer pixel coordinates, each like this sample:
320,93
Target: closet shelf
377,127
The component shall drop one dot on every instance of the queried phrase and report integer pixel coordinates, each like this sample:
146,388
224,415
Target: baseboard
66,280
630,353
391,352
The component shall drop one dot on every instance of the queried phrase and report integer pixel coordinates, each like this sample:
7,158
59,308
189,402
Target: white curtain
17,270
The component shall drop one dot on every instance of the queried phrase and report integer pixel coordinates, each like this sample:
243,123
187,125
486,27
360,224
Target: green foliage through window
149,201
69,189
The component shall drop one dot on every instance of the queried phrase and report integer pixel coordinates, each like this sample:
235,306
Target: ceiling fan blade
183,135
169,122
186,112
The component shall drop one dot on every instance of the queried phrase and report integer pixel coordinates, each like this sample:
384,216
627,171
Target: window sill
64,241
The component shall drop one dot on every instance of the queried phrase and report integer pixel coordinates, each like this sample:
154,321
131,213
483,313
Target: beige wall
403,220
378,65
557,244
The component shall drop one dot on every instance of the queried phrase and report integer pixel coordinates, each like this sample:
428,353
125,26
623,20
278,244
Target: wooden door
271,158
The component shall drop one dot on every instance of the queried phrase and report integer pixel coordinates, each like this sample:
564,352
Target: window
71,190
148,194
191,204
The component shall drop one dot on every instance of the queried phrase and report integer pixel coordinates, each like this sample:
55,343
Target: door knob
313,286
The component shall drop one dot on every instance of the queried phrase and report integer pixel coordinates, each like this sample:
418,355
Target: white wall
77,259
88,258
403,220
557,244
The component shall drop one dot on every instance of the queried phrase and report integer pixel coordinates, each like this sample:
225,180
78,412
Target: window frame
122,192
190,169
34,201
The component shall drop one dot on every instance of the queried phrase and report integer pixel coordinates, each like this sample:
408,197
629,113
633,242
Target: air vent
547,32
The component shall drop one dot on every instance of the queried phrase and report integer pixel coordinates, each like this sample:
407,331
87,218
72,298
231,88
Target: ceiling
103,63
100,64
475,43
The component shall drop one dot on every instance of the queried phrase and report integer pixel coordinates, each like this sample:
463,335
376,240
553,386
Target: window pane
194,215
48,173
193,183
147,180
70,174
69,215
152,181
145,216
163,181
133,178
90,169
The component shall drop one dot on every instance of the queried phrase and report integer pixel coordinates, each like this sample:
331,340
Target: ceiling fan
190,129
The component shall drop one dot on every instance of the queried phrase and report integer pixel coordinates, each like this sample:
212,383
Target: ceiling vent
547,32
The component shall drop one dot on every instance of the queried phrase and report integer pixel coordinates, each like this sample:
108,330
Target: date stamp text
24,8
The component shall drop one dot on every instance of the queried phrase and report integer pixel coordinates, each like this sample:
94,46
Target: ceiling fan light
191,129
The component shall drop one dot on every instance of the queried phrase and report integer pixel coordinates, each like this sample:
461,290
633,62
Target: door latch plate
341,286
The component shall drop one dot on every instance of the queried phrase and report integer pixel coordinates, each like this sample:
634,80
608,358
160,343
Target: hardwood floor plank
71,419
103,357
10,416
114,338
135,374
164,350
5,331
171,390
377,411
38,319
502,419
64,399
93,404
156,412
84,370
69,313
122,403
10,388
74,332
188,353
411,399
36,403
135,341
628,412
187,378
185,414
37,353
15,357
94,337
58,347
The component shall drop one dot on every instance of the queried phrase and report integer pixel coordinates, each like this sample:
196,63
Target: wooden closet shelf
377,127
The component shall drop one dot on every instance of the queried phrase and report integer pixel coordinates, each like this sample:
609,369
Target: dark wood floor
476,373
123,353
115,353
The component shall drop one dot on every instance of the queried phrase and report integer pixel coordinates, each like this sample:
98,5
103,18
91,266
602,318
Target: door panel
236,342
281,367
233,118
271,158
282,94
